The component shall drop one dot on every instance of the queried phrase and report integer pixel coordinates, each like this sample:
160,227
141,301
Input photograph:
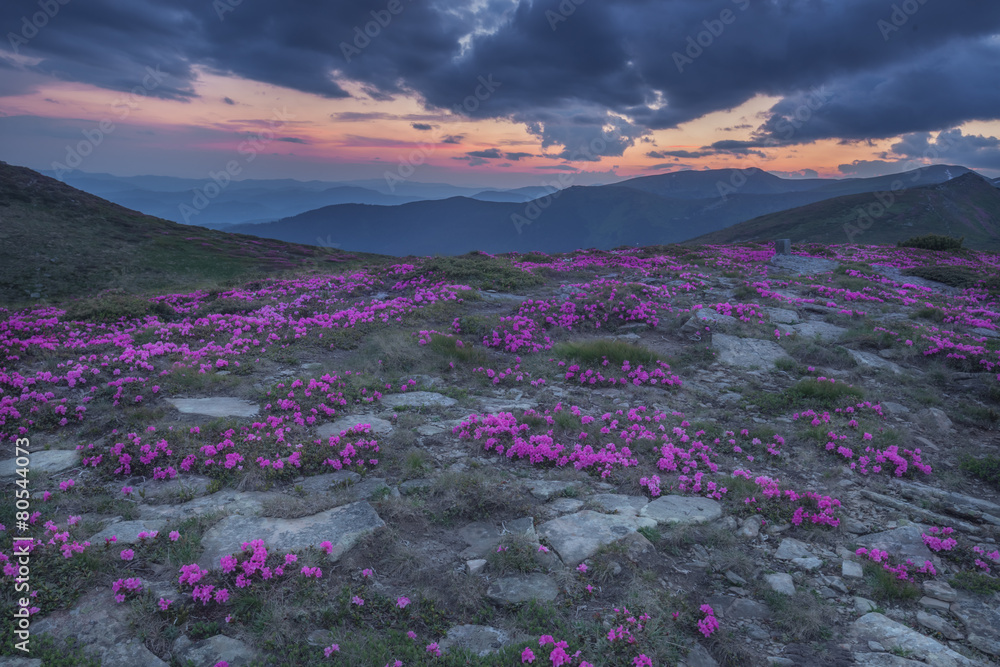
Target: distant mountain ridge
663,208
968,205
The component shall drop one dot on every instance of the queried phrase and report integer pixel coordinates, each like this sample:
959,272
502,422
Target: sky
502,93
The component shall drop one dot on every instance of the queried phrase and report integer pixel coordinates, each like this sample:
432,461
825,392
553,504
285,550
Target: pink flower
582,567
402,601
642,660
411,634
127,554
174,536
433,649
165,604
527,655
330,650
326,546
358,601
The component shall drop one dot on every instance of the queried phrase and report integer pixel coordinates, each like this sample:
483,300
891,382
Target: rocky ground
656,456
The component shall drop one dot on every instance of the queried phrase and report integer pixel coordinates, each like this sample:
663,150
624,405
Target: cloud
293,140
662,155
489,154
952,147
422,126
453,139
517,156
228,100
608,71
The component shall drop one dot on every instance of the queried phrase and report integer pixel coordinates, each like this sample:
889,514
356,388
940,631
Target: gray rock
800,265
935,604
892,408
981,621
808,564
851,570
682,510
791,548
864,605
782,315
330,481
483,536
938,624
523,588
742,608
935,419
482,640
248,503
545,489
418,399
940,590
48,461
747,352
16,661
101,628
902,543
869,360
881,659
127,532
780,582
189,486
216,406
213,650
495,405
576,537
983,331
378,426
341,526
824,330
615,503
889,633
699,656
563,506
475,566
750,527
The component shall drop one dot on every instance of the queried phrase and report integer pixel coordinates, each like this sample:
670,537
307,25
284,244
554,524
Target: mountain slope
57,241
968,206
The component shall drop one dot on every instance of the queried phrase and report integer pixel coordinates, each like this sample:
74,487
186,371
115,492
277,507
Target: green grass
449,347
593,352
932,242
986,468
976,582
806,393
887,587
482,271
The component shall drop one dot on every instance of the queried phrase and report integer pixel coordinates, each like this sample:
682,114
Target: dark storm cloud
577,75
662,155
517,156
489,154
422,126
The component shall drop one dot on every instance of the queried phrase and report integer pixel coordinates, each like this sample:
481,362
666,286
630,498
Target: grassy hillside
57,241
966,206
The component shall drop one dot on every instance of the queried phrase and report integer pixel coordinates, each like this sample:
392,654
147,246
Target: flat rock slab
189,486
780,582
101,629
127,532
378,426
576,537
782,315
418,399
217,406
491,406
248,503
616,503
48,461
890,634
214,650
483,536
747,352
981,622
791,548
328,482
341,526
481,640
523,588
673,510
802,266
901,543
869,360
827,332
545,489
